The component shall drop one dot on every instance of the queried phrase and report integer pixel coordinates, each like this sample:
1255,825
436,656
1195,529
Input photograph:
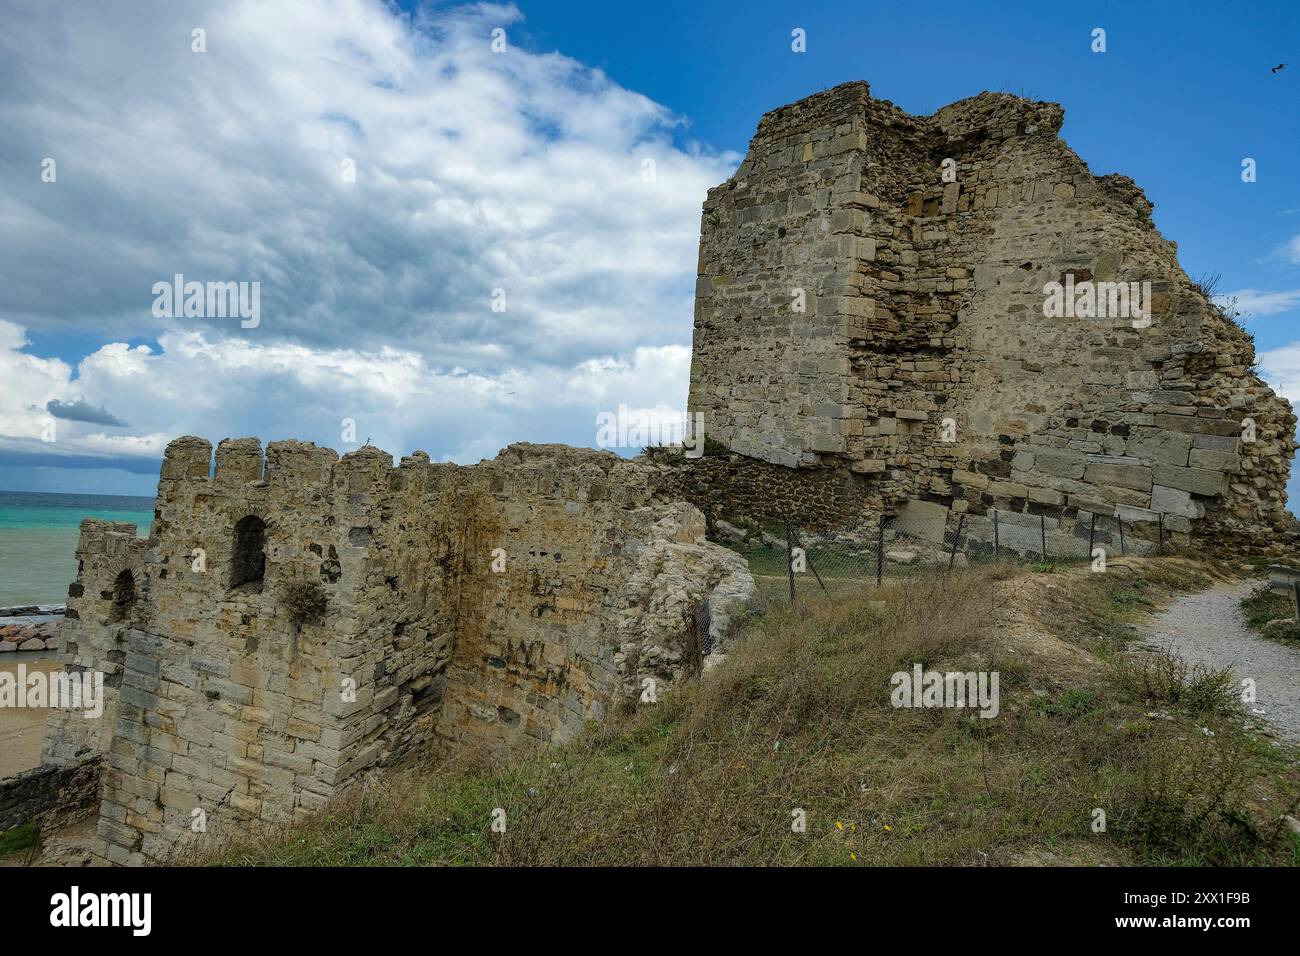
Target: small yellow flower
888,827
853,856
838,825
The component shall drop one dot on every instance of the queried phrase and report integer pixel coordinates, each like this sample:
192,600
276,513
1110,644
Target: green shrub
304,600
1164,678
1262,606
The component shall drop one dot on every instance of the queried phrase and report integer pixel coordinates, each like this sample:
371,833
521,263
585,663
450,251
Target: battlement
447,608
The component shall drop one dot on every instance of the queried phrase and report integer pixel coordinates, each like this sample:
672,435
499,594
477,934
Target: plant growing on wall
305,601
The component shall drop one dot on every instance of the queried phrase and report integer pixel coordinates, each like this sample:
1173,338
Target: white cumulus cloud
519,177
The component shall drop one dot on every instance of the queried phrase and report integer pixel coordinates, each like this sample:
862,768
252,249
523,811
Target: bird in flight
1278,68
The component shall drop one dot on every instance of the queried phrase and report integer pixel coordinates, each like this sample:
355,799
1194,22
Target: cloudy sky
460,243
456,246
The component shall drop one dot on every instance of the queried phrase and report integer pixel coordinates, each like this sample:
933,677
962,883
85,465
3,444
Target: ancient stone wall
52,795
491,609
923,357
94,634
727,486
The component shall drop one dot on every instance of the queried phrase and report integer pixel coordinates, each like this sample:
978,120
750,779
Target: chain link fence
787,562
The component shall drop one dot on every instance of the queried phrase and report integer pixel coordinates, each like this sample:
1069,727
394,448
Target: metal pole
995,532
811,567
961,522
1121,535
880,549
1160,546
1295,596
1042,531
789,559
1092,528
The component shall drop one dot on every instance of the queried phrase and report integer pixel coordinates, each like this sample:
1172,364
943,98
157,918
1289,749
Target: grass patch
1262,606
25,837
798,723
1101,611
1159,678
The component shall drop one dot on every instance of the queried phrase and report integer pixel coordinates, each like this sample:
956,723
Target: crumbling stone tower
856,312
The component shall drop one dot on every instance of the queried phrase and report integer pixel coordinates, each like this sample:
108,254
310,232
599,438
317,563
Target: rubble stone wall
52,795
727,486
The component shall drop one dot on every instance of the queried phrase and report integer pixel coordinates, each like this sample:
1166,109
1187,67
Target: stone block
1173,501
1060,462
926,520
1132,515
1193,423
970,480
1169,448
1008,490
1136,477
1199,481
1216,442
1210,459
1046,496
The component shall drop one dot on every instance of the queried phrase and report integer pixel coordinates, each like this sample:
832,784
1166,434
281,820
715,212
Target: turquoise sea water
38,539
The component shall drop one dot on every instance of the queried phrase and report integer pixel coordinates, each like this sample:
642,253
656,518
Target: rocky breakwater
30,628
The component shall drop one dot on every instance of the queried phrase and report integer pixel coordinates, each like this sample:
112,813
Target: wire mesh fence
787,562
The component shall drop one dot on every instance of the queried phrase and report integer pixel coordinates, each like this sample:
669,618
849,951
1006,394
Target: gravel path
1208,629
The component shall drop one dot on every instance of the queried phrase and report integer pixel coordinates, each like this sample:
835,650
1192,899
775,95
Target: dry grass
799,718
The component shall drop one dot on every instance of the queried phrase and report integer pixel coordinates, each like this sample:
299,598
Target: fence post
1295,596
952,556
789,559
808,557
1121,535
1042,533
880,548
995,532
1092,528
1160,541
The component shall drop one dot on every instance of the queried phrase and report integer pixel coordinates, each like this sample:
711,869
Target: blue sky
521,172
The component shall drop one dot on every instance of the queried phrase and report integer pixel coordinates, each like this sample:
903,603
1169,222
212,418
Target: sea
38,539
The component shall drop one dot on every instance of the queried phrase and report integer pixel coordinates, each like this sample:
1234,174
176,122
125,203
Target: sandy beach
21,727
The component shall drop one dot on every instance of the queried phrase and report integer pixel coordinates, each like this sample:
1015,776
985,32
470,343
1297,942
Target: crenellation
482,609
238,461
187,458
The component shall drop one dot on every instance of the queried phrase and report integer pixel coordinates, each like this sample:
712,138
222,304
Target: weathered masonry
871,299
874,331
496,607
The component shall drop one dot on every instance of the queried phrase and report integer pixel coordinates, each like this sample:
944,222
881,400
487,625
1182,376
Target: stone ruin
494,609
871,337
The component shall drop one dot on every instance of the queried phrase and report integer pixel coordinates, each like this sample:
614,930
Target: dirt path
1208,629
